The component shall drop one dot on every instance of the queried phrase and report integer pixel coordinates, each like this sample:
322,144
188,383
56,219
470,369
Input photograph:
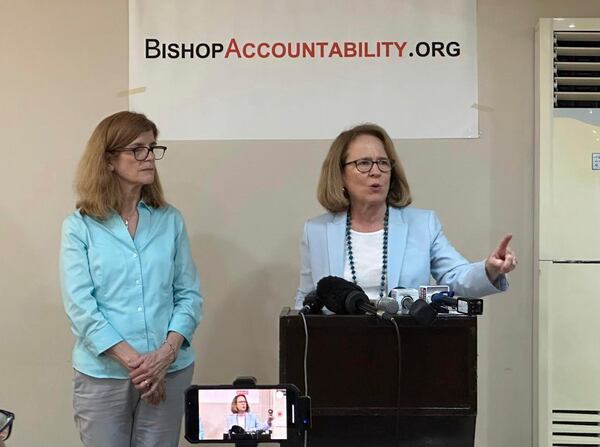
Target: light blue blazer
418,250
252,423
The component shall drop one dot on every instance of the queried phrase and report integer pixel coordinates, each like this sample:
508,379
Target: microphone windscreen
312,303
236,429
354,299
333,291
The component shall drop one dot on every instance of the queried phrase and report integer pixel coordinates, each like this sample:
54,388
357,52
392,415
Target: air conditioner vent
577,69
575,428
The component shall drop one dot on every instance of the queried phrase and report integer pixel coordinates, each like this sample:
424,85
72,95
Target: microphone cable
399,396
305,362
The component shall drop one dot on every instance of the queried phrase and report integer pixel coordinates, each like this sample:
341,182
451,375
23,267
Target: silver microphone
386,305
404,297
406,301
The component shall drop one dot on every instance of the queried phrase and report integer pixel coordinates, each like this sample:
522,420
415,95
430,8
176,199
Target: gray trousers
110,413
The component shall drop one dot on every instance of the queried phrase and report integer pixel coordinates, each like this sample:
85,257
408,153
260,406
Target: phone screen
230,414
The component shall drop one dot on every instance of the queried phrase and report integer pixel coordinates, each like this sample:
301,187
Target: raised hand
500,261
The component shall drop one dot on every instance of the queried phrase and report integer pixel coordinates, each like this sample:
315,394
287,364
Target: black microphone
421,311
312,304
343,297
464,305
446,298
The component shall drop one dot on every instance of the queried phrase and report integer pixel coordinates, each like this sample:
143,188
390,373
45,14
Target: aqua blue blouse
116,288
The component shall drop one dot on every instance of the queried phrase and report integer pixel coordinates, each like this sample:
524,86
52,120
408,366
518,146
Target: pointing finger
501,250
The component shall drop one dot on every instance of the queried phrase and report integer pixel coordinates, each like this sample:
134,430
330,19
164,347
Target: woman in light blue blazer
241,416
371,236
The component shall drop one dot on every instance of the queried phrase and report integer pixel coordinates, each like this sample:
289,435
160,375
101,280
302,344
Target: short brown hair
96,186
234,403
330,191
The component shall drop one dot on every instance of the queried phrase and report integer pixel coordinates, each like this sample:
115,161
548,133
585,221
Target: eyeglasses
365,164
6,423
141,152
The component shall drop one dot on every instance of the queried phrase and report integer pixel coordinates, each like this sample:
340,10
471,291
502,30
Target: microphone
343,297
404,297
312,304
463,305
418,308
446,298
387,305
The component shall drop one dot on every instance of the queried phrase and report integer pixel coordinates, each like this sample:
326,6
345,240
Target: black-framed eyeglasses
6,422
141,152
366,164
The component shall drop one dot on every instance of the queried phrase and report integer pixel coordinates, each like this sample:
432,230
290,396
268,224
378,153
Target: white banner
289,69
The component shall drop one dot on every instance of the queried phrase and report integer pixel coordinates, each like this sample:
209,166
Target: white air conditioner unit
567,234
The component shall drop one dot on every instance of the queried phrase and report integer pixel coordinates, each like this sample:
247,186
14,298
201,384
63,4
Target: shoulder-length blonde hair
96,186
330,191
234,404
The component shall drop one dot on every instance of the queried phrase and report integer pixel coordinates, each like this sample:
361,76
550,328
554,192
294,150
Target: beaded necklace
385,244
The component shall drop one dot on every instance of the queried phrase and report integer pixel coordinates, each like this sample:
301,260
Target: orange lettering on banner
280,50
308,49
275,50
400,46
233,48
349,49
387,45
260,48
321,46
335,50
248,54
291,53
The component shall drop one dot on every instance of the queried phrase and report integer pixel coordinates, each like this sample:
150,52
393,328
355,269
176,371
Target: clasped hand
148,372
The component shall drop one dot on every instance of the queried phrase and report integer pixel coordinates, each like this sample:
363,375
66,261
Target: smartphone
234,414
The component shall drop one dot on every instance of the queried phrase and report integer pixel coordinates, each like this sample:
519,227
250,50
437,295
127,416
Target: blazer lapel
397,235
336,230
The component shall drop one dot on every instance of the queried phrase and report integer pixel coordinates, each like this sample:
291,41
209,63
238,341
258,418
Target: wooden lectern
353,378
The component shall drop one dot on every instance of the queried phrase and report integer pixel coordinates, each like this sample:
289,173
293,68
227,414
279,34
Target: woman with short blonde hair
242,417
330,192
373,238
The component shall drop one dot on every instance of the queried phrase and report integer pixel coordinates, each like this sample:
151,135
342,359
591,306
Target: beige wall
63,64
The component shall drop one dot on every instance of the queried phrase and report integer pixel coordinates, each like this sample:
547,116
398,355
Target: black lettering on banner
216,48
185,50
436,48
453,49
205,47
152,45
172,51
422,49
